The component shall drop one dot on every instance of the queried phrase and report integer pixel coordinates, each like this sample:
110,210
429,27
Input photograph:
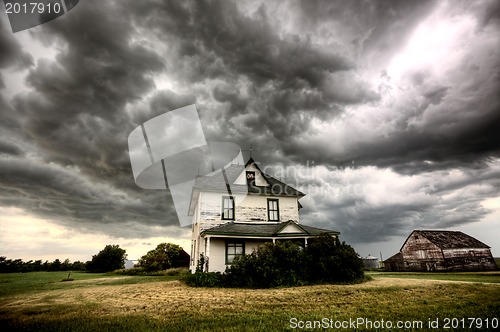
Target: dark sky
385,113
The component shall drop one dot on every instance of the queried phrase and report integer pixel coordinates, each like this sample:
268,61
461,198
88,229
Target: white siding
210,206
254,208
248,208
290,229
217,259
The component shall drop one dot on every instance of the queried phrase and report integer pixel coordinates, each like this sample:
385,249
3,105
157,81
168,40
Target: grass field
483,277
41,302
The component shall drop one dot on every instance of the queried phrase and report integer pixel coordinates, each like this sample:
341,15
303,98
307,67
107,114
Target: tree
111,258
55,265
66,265
163,257
332,261
78,266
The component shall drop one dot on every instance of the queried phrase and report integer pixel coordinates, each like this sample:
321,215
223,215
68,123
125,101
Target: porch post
305,242
207,253
274,240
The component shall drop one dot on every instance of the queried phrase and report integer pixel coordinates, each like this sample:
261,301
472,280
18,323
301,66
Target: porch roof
264,229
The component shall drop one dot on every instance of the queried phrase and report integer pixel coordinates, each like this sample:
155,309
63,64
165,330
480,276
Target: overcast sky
385,113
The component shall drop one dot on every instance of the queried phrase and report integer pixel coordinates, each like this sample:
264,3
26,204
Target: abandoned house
430,250
238,208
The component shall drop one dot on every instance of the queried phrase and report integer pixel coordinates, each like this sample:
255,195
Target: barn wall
469,259
466,252
420,254
418,247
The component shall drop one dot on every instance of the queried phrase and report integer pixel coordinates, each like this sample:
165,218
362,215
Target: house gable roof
216,182
449,239
264,229
290,228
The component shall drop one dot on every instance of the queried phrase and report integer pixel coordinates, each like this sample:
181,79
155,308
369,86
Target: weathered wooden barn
431,250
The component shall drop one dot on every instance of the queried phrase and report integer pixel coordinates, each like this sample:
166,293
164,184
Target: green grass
489,277
19,283
114,303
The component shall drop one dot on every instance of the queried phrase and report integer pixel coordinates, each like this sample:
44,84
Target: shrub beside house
286,263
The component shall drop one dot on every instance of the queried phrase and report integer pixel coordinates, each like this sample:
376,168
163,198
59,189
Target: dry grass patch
172,305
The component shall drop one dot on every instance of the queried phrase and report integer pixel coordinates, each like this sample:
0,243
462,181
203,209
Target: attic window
251,178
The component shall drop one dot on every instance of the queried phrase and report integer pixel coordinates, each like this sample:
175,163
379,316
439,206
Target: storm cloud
390,109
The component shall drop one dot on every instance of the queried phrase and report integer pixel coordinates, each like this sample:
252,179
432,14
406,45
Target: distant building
129,264
370,262
430,250
182,260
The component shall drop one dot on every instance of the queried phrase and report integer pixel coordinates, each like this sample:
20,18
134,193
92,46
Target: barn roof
451,239
397,257
263,229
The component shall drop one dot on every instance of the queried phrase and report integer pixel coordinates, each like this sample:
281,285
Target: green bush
329,261
285,264
140,271
205,279
176,271
135,271
272,265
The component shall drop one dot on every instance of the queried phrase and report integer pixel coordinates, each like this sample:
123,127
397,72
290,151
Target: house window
273,213
227,208
251,178
233,250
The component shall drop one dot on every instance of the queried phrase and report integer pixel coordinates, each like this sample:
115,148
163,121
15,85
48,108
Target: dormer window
251,179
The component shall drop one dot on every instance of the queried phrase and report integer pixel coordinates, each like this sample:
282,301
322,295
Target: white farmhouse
239,208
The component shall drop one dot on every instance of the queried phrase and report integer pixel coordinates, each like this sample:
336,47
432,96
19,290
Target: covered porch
225,242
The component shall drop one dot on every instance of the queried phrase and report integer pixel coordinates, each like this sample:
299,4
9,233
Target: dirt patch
100,280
